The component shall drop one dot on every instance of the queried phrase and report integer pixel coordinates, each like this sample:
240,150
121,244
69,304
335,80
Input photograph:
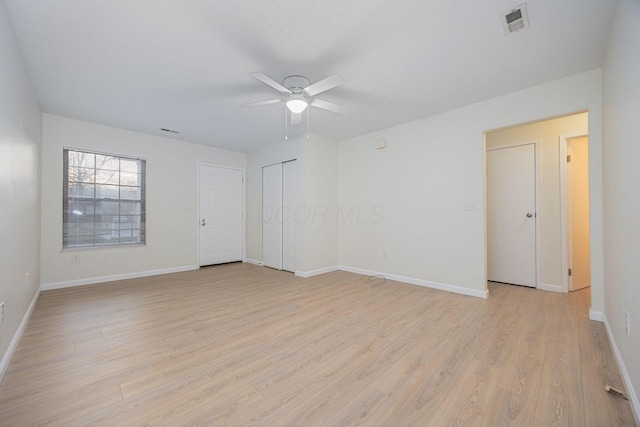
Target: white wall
430,168
621,101
20,141
315,216
171,190
321,201
547,133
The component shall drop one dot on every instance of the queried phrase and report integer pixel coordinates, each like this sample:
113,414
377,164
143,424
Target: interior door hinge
570,272
568,158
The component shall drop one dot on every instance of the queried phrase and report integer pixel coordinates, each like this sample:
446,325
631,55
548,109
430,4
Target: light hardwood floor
243,345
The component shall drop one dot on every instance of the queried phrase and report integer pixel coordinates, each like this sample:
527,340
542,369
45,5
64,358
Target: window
103,200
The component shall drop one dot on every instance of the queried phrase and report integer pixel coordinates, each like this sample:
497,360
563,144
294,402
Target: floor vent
515,20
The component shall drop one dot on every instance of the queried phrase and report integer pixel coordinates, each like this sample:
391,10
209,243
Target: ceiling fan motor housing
296,83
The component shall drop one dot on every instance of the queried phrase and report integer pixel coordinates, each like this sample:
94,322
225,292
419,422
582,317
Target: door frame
563,140
198,216
538,233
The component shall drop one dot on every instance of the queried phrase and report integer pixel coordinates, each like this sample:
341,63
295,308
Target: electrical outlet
1,312
627,325
75,259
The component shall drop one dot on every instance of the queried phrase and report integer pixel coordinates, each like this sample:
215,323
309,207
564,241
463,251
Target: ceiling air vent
515,20
169,130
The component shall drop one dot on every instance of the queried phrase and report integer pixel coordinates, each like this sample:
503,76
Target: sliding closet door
272,216
278,209
288,210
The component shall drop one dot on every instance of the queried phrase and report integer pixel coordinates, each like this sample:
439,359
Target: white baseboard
102,279
419,282
551,288
4,364
596,315
316,272
252,261
628,385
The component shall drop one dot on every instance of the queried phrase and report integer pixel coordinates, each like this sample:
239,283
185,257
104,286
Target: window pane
127,236
81,190
81,238
130,208
80,207
130,193
130,166
79,174
108,207
85,221
103,224
107,177
80,159
109,163
127,222
135,222
107,191
128,178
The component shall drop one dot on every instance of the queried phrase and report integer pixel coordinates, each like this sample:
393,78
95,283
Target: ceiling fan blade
261,103
296,118
323,85
329,106
270,82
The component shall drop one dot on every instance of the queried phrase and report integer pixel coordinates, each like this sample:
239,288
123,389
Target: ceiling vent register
515,20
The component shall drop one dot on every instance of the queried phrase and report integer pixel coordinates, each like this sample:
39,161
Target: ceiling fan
299,93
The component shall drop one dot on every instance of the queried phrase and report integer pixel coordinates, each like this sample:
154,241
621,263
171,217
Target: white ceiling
184,64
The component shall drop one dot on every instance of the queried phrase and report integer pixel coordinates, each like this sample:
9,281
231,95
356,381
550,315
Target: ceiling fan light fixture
297,105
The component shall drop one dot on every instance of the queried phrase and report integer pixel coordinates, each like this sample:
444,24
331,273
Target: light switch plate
470,205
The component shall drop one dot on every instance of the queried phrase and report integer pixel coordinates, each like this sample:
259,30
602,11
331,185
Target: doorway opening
574,193
557,237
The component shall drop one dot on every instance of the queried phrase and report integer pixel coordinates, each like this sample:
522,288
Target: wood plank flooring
237,345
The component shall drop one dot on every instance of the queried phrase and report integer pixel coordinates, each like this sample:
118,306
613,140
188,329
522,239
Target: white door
272,216
288,211
579,249
511,215
220,215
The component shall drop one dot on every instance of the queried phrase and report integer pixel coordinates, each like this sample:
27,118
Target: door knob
529,215
203,223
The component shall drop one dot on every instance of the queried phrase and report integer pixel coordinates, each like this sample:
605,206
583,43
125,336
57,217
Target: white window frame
107,227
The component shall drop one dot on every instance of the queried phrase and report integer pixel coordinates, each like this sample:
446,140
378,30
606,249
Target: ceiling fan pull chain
286,123
307,123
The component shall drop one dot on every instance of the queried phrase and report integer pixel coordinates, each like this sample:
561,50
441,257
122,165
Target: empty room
319,213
